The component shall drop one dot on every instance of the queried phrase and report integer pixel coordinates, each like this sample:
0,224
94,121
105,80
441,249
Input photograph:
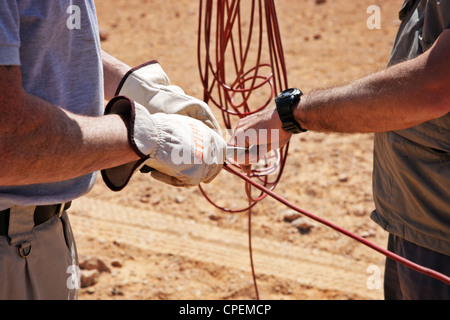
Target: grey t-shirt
56,44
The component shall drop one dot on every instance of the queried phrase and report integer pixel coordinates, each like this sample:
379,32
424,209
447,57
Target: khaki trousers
38,263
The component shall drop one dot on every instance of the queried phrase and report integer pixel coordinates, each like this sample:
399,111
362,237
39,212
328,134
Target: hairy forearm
51,144
399,97
41,142
113,72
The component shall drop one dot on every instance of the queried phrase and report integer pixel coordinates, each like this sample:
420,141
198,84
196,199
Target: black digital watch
284,102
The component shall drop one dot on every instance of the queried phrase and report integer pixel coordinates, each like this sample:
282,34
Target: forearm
381,102
113,72
55,145
399,97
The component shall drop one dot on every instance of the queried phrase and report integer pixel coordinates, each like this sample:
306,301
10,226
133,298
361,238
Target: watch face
288,93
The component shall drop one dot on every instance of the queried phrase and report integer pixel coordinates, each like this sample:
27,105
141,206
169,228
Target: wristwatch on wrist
284,102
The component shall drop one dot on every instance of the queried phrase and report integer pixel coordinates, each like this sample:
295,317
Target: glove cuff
150,86
142,136
127,75
134,78
117,178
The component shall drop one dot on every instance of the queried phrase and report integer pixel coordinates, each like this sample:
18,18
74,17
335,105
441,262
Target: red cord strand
387,253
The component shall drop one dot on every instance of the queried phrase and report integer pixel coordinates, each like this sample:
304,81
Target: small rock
289,216
116,264
303,225
214,217
94,264
116,292
103,34
368,233
179,199
90,290
88,278
358,211
145,198
156,201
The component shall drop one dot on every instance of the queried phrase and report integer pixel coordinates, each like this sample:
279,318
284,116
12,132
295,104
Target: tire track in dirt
226,248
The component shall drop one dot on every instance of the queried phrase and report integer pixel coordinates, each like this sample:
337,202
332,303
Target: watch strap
284,108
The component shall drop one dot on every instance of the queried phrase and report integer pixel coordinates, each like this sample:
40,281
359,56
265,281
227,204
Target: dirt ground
158,242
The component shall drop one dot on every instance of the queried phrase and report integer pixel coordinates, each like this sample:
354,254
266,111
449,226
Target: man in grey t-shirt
55,135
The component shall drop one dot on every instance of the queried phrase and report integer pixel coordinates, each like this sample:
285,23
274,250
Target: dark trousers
404,283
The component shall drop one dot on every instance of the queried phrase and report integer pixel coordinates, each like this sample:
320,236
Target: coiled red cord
231,86
236,64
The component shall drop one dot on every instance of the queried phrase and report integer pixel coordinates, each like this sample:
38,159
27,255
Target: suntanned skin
113,72
41,142
399,97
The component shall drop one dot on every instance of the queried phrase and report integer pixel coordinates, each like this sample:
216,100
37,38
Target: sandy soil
158,242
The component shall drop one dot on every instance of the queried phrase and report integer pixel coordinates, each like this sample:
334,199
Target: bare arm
41,142
396,98
399,97
113,72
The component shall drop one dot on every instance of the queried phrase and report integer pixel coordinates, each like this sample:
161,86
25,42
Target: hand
182,151
150,86
260,132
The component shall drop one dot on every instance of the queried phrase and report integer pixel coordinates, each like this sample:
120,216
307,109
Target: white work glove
150,86
181,151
